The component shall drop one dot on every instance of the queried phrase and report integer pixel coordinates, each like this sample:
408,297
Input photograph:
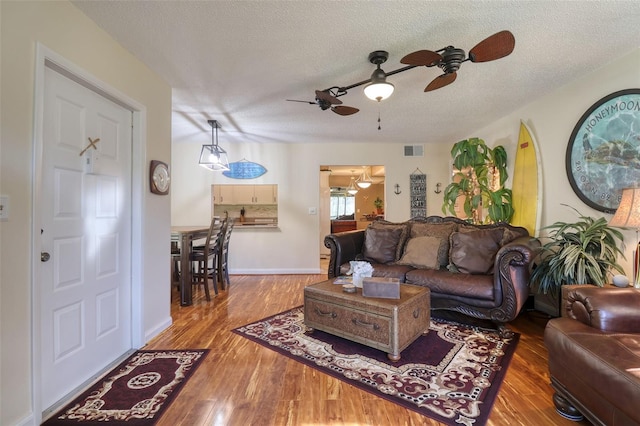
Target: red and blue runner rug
136,392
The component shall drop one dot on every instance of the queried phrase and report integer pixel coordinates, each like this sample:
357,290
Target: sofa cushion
475,289
383,224
421,252
474,252
509,233
441,231
380,245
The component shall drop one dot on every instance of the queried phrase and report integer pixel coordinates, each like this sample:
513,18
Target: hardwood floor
243,383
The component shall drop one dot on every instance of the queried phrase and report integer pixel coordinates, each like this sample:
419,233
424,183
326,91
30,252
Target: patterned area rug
452,374
135,393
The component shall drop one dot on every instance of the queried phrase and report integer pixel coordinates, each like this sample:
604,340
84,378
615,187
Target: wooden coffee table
386,324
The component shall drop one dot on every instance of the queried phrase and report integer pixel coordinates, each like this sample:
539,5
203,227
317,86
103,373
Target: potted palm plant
378,204
582,252
478,183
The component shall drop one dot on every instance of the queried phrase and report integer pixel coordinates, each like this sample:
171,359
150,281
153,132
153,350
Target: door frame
47,58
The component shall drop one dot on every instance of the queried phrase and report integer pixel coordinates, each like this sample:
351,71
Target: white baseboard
150,334
27,421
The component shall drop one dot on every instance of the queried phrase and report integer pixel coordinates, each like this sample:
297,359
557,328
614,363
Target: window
342,204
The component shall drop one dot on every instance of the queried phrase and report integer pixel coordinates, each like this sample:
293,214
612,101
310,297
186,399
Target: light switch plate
4,208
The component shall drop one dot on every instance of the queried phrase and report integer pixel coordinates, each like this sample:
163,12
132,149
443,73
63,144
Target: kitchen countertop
256,223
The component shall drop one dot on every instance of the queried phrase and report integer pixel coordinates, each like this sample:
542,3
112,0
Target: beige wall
65,30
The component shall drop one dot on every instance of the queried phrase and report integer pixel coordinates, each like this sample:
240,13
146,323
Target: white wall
552,119
65,30
295,168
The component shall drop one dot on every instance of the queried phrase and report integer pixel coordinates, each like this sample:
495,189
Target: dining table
184,236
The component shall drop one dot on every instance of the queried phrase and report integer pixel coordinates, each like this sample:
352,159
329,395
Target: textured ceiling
238,61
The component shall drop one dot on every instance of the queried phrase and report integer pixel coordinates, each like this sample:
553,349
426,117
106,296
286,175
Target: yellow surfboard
527,183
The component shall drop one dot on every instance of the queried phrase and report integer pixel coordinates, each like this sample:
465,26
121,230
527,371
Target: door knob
44,256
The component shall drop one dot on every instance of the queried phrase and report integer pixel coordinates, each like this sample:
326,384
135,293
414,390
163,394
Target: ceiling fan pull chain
378,116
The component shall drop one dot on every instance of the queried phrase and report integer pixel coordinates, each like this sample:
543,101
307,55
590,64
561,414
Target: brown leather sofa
479,270
594,356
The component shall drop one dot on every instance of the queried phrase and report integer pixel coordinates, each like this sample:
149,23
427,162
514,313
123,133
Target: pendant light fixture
351,189
379,89
364,181
212,156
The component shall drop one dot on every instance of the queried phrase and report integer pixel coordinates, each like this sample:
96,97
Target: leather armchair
594,356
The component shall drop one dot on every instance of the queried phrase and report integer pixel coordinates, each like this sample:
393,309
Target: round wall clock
159,178
603,155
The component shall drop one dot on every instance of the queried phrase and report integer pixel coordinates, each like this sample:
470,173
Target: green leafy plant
478,182
583,252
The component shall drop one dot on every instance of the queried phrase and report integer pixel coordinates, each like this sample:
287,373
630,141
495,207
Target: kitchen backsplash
251,211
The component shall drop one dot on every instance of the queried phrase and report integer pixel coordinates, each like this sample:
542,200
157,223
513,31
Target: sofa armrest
344,246
608,309
512,269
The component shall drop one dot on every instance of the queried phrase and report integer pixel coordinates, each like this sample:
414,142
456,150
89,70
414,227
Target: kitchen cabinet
223,194
265,194
244,194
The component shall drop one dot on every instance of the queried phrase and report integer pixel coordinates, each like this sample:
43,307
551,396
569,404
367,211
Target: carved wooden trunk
386,324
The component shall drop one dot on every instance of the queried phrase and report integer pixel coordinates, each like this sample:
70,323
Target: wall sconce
212,156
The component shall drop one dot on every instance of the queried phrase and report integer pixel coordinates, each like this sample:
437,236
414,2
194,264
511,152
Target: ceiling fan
326,99
450,58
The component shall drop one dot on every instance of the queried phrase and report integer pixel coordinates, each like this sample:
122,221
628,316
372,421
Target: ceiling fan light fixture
213,157
379,89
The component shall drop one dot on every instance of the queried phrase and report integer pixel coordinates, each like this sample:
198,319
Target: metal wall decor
418,193
603,154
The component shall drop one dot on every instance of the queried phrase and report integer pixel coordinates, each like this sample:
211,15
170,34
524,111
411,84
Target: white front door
85,290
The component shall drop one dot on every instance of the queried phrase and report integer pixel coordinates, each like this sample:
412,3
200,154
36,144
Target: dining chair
223,260
175,264
206,254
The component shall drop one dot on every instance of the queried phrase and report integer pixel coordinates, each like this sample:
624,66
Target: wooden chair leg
226,272
219,275
214,274
205,281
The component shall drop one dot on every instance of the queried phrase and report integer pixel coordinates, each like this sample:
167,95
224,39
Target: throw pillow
509,234
474,252
441,231
383,224
380,245
422,253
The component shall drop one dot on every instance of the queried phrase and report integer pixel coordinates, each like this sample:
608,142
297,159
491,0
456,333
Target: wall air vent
414,150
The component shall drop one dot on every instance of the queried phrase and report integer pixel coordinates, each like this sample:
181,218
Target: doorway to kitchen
351,197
